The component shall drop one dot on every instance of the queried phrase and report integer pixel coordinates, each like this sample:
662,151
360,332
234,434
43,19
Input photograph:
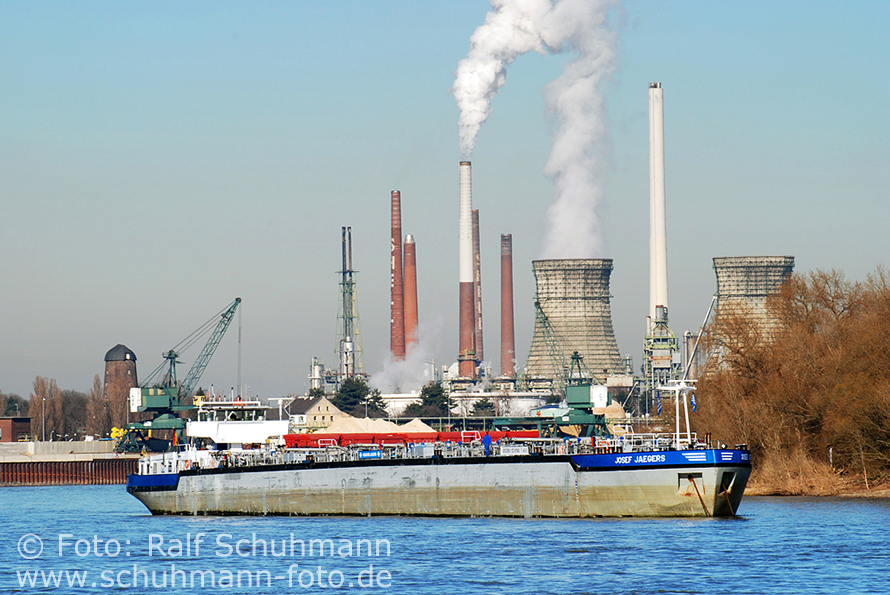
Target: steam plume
513,28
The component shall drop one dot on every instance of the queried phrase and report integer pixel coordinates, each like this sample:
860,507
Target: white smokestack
658,293
515,27
465,223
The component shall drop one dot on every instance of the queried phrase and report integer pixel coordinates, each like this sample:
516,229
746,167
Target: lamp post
43,419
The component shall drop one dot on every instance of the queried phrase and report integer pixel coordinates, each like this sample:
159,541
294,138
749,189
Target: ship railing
660,441
190,458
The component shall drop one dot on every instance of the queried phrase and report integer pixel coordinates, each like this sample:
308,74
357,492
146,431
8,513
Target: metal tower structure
661,356
349,350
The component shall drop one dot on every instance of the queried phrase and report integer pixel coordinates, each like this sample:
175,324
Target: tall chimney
508,343
477,288
658,294
397,305
410,292
467,354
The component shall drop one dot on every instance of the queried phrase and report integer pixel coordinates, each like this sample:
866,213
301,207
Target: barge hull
565,486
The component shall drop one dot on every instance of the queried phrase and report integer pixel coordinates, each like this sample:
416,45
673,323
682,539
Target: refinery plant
573,339
573,344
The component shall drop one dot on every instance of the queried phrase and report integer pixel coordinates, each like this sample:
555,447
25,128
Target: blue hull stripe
666,458
153,483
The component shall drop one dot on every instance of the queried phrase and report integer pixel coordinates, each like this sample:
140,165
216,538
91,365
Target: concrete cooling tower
574,297
744,283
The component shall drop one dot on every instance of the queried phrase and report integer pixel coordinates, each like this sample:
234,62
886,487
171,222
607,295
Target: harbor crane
165,396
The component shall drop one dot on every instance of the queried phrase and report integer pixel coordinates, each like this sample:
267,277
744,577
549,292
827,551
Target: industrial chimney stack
410,291
467,348
508,342
658,294
397,291
477,289
661,347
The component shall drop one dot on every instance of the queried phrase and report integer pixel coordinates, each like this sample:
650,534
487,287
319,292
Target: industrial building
14,429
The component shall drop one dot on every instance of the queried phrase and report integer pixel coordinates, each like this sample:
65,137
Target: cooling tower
574,296
744,283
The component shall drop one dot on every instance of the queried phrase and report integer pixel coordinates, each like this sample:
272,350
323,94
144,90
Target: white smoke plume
413,372
578,156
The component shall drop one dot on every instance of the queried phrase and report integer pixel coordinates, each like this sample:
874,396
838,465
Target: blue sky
160,159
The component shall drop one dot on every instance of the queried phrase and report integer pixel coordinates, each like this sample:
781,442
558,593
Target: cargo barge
240,464
644,475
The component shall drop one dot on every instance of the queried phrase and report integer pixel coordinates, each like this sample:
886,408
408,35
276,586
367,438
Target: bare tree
818,382
98,412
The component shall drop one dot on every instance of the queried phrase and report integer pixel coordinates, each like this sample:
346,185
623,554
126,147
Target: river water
98,539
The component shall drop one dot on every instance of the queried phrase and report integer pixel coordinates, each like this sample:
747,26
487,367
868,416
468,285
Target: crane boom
197,369
168,398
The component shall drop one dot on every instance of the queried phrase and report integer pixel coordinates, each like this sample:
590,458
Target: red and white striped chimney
508,343
410,292
467,354
397,305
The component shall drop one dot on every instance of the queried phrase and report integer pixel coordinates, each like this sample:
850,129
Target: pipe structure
467,349
397,291
508,341
410,292
658,293
477,288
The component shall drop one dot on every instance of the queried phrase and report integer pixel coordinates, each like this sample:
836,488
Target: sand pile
361,425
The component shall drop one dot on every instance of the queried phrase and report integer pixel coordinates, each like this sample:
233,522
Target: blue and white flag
659,402
693,403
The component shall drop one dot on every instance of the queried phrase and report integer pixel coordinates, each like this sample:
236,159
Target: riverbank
841,486
63,463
